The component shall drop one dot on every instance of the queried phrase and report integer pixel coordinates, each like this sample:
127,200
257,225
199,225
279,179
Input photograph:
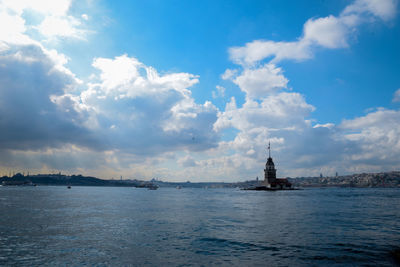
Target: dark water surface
107,226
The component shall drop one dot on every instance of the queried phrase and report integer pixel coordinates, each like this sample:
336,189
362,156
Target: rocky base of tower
266,188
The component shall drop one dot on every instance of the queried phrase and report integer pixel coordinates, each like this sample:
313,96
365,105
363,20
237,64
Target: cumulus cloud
138,112
122,77
38,112
53,18
129,108
150,113
377,135
136,121
270,113
29,118
16,27
283,110
363,144
262,81
328,32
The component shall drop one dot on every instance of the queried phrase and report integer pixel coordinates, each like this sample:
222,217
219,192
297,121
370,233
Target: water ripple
51,226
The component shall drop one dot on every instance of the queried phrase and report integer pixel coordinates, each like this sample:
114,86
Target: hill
72,180
382,179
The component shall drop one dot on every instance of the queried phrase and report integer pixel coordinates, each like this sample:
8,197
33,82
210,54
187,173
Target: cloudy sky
195,90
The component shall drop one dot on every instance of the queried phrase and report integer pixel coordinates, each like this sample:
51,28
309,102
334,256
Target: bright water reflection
127,226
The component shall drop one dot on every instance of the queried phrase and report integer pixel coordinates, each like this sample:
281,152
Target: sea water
106,226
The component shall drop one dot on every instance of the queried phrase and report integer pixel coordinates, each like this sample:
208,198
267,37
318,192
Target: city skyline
196,91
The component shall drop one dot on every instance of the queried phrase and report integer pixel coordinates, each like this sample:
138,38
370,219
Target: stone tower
269,171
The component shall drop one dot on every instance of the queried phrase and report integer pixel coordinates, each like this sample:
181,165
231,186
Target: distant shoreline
68,180
363,180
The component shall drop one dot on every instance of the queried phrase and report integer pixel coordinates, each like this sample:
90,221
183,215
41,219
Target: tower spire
269,149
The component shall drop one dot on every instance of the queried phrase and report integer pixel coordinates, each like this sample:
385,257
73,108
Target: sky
195,90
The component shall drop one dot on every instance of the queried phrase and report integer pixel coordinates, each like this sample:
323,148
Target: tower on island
270,179
269,171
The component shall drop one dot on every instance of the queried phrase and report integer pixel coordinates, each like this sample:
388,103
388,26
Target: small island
271,183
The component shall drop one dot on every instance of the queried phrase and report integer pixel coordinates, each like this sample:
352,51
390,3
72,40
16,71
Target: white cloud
14,32
219,93
278,111
139,122
55,21
221,90
33,81
58,8
65,26
377,136
380,118
229,74
127,77
129,109
396,96
156,111
366,143
329,32
116,72
258,50
384,9
261,82
188,115
129,112
270,114
29,78
326,125
43,114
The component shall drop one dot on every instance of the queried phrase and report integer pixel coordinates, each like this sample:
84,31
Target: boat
152,187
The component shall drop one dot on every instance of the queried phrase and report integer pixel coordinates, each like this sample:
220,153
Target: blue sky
194,37
182,90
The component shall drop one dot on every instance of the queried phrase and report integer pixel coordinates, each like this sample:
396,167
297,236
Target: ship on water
270,181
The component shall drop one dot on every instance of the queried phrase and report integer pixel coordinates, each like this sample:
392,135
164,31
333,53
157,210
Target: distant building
270,179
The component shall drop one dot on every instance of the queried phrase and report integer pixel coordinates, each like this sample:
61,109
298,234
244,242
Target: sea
121,226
